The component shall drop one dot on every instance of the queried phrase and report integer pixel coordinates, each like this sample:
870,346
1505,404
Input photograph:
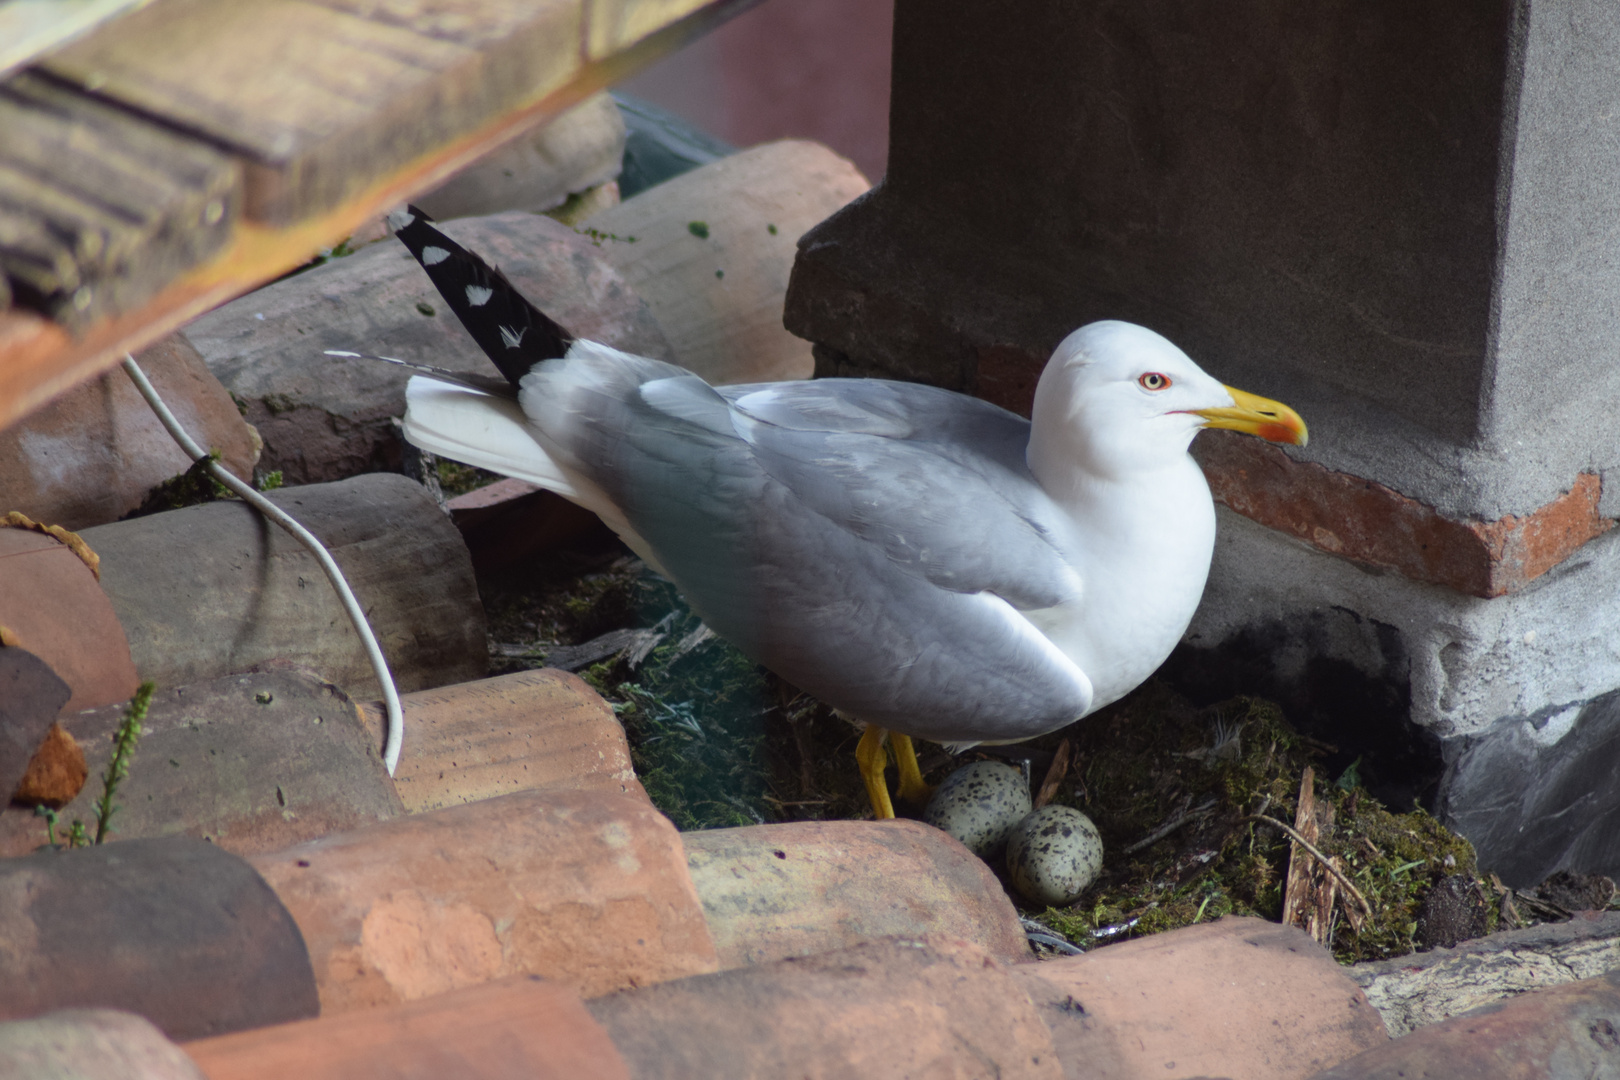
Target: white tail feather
479,429
492,433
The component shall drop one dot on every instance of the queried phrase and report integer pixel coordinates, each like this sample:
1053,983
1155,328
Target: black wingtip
513,333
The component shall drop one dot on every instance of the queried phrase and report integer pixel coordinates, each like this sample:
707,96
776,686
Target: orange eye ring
1154,380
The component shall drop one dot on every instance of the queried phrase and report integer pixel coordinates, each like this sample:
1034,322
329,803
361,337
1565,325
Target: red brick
543,730
176,930
1238,998
92,455
901,1007
52,605
587,888
774,891
515,1029
508,521
30,697
1366,521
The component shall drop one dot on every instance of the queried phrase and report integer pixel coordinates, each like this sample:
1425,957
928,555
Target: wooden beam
290,215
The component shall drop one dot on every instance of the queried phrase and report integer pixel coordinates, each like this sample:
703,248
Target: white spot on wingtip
400,219
433,256
478,296
513,340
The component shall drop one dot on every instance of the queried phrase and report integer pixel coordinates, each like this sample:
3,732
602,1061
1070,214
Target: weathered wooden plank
99,210
38,359
31,28
323,98
615,25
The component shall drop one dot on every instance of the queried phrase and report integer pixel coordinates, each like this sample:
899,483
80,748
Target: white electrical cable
396,719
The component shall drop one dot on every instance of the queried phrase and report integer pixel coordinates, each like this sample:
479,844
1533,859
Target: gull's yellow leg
872,758
912,788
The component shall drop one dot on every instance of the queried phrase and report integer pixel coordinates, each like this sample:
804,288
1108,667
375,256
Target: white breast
1143,564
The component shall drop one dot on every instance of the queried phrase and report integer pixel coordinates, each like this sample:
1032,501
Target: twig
1055,774
1169,827
1327,864
379,664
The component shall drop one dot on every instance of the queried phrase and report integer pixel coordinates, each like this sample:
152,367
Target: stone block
52,605
176,930
92,454
214,589
775,891
1571,1030
543,730
91,1044
1240,997
585,888
250,763
1498,713
577,150
1271,194
514,1029
713,252
1378,214
30,697
927,1006
324,418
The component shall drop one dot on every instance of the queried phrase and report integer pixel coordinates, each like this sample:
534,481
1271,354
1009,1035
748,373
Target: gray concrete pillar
1400,216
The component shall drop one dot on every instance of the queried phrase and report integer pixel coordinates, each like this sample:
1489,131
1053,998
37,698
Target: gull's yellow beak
1254,415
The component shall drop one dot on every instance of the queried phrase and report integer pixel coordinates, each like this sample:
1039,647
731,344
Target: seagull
927,563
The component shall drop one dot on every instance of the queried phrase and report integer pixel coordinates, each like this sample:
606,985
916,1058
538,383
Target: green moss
193,487
458,479
596,236
1152,759
694,714
699,229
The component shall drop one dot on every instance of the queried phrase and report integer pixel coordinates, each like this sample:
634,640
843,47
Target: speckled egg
1053,854
978,804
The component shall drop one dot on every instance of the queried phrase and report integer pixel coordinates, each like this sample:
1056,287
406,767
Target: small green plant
699,229
124,740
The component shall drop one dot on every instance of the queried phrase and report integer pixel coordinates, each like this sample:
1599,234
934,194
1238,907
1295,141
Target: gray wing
852,535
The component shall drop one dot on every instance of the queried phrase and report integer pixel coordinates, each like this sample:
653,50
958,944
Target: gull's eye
1153,380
